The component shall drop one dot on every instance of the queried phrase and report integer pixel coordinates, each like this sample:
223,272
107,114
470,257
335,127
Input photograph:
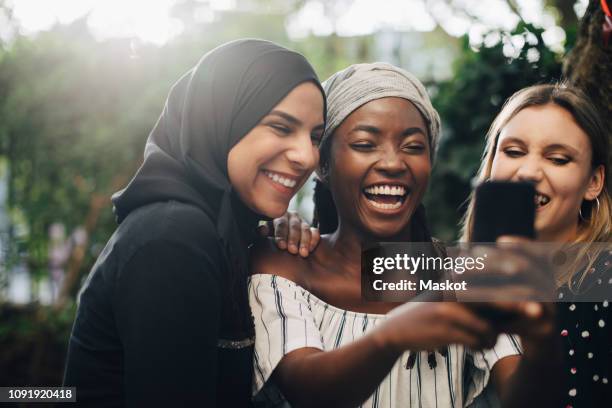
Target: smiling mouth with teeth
283,181
386,197
541,200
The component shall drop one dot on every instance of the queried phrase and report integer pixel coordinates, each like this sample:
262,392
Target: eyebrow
511,139
556,146
293,120
376,131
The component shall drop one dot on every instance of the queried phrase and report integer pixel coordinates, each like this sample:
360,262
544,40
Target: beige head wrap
359,84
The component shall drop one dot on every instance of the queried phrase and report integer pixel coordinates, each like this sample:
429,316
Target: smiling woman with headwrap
318,341
163,318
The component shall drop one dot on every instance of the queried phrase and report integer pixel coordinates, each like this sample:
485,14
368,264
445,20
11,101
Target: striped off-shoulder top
288,317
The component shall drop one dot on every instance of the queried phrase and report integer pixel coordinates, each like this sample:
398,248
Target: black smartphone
502,208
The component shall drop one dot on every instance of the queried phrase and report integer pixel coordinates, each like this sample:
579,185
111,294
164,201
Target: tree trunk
589,63
97,202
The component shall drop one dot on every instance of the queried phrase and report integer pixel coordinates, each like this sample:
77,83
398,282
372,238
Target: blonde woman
552,136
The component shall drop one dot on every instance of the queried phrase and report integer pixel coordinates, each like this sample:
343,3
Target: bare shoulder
266,258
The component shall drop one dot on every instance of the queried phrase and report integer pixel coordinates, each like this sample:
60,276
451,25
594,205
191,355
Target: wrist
383,343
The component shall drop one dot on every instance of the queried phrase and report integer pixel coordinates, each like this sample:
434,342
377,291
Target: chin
542,229
275,211
384,231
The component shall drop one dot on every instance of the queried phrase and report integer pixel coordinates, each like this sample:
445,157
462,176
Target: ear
596,183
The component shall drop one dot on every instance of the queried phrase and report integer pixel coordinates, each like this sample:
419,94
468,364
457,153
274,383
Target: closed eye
414,148
362,145
559,161
513,153
280,128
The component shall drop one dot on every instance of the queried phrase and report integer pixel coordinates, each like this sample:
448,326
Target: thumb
512,239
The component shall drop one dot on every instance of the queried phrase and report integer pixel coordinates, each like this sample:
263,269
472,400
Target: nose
390,161
530,170
302,154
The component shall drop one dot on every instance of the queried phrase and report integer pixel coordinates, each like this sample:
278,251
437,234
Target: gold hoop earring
597,201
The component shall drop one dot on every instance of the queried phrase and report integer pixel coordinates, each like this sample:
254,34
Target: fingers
315,237
507,316
531,310
474,342
295,232
305,238
439,324
289,233
511,265
535,320
281,231
309,239
530,320
466,326
302,238
505,262
512,239
462,317
496,291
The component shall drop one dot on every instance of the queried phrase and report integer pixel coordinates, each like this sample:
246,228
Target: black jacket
154,296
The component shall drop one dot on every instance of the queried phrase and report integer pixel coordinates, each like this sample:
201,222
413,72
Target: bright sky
149,21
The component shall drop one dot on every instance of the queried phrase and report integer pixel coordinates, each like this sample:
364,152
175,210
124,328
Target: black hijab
208,111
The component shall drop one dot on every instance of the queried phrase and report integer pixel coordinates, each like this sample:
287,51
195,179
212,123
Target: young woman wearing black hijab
163,318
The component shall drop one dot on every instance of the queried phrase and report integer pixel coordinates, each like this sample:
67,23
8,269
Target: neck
567,235
347,241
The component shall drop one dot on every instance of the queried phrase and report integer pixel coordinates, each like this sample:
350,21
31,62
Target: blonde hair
595,220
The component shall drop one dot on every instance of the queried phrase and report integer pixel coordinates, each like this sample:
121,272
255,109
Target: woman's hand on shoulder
292,234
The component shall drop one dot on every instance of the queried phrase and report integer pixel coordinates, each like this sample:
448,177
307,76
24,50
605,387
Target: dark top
586,331
149,316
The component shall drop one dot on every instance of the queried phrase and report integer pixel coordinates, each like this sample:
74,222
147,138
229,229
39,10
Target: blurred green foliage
468,103
72,118
75,113
33,344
